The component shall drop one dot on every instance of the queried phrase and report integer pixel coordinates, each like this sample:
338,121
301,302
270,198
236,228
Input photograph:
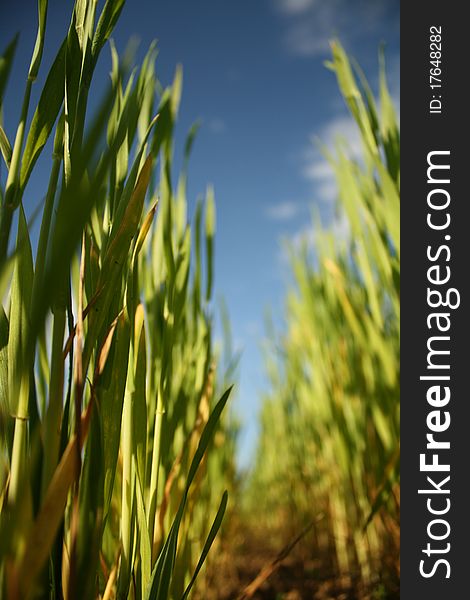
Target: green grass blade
5,147
39,45
145,547
207,546
110,393
20,308
108,19
139,396
6,62
44,117
6,426
210,232
91,512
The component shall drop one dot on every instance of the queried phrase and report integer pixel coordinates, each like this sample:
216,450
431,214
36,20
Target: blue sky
254,75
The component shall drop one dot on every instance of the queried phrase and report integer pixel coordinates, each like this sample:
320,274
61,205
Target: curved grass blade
50,102
6,61
39,45
5,147
108,19
207,546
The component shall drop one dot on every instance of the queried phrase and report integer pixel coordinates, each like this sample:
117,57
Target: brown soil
295,578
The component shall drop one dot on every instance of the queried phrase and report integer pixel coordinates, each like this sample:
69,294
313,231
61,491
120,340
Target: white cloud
339,227
295,7
344,130
317,169
283,211
311,23
303,39
306,235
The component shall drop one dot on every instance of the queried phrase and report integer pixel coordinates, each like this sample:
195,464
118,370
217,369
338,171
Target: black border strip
421,133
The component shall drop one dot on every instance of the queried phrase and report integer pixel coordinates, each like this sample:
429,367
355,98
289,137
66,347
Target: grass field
117,452
329,446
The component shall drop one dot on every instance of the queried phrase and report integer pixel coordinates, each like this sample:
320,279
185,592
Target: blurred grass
114,453
329,443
